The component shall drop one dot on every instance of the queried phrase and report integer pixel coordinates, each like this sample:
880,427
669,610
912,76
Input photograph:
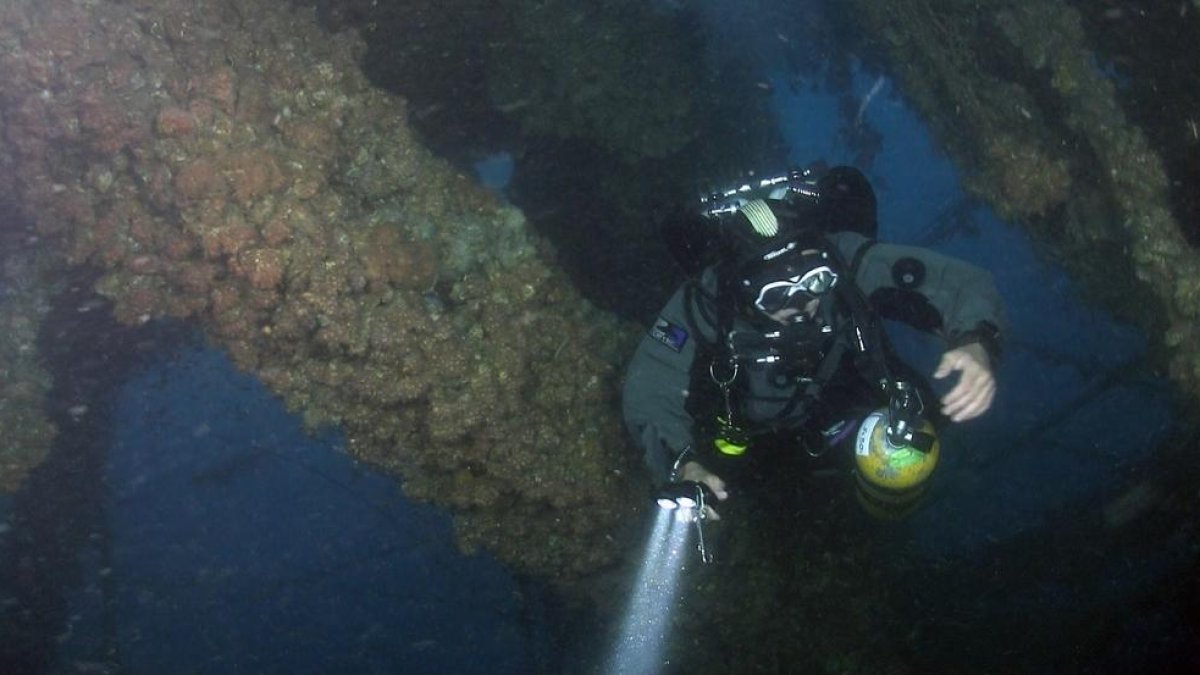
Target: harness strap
859,312
863,332
871,339
702,308
858,258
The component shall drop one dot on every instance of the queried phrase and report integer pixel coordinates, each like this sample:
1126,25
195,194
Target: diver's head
777,267
788,289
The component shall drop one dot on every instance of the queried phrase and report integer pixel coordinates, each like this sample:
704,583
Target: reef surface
1030,111
228,164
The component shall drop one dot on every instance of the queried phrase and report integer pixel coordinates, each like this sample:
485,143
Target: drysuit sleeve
654,399
935,293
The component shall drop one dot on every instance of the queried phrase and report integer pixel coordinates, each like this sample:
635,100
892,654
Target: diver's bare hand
976,387
695,471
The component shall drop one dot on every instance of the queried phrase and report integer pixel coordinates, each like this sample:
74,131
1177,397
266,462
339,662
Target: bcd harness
855,327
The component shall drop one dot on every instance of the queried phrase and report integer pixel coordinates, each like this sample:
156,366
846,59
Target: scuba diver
775,343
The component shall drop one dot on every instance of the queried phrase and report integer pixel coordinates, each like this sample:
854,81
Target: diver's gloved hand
695,471
976,387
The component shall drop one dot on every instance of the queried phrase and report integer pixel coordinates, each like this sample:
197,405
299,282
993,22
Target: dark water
187,523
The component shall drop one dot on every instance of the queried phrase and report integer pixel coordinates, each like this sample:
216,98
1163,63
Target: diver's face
790,315
790,289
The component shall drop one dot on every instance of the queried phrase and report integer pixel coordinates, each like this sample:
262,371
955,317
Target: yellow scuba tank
892,478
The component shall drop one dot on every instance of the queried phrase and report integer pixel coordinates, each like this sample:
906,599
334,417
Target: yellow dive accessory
892,478
730,440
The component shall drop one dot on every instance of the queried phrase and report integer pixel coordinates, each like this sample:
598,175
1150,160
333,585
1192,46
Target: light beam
642,642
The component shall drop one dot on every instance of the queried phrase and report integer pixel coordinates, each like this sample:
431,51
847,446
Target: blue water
240,544
1069,425
495,171
1056,348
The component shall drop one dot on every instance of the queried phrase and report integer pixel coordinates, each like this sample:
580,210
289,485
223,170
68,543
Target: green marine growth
1014,95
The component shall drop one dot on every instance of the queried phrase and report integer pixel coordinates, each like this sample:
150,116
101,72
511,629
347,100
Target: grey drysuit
951,298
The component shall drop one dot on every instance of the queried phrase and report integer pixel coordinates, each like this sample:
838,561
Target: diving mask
790,282
795,291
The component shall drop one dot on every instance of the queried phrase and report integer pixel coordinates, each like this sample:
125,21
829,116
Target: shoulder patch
674,337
